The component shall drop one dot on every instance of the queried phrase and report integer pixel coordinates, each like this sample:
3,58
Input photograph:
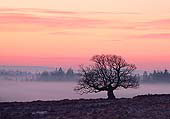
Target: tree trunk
110,95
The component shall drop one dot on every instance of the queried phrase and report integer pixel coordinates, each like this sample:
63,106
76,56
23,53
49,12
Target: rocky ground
139,107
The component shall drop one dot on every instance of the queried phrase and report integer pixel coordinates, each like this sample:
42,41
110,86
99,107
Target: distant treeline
16,75
58,74
158,76
13,73
69,75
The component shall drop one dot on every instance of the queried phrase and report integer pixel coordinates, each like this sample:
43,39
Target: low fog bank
43,90
11,90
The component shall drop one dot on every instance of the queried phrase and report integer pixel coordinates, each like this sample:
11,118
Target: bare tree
109,72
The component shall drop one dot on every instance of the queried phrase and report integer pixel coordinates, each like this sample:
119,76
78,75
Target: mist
43,90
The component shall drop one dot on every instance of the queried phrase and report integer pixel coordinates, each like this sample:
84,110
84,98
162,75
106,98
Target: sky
69,32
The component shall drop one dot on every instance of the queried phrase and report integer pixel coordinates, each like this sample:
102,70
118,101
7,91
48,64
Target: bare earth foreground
139,107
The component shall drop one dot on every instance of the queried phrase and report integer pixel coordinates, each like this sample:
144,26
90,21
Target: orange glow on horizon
68,33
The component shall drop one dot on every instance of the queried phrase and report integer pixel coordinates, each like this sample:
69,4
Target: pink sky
68,33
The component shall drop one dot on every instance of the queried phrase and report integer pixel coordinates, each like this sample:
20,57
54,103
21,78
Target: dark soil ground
139,107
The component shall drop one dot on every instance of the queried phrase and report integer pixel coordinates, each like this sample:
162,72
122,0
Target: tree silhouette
70,72
158,76
107,73
61,73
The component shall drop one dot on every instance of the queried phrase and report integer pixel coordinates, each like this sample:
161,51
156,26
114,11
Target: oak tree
107,73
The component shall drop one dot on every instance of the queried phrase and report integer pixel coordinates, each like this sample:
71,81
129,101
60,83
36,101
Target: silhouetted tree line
156,76
14,73
58,74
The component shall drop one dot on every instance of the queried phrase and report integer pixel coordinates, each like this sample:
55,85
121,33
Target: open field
139,107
